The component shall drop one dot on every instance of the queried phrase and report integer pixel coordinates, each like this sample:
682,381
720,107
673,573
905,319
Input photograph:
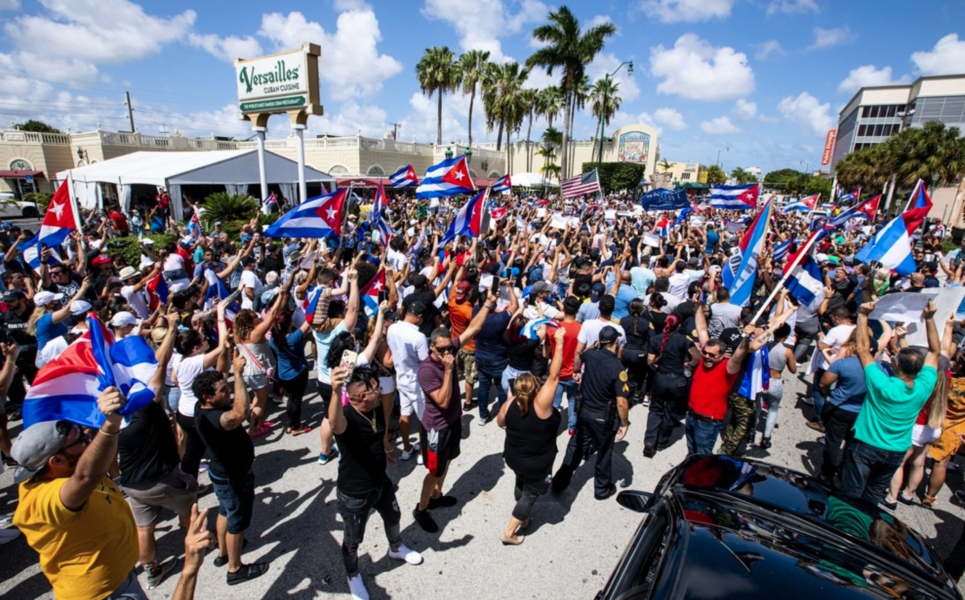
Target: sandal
247,573
928,500
513,541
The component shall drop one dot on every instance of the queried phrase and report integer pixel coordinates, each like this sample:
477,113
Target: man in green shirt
882,433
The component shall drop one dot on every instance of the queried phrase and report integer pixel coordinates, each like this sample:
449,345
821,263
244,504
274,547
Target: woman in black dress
531,424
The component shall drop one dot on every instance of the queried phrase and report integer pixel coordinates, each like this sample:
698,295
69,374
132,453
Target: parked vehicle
717,527
11,207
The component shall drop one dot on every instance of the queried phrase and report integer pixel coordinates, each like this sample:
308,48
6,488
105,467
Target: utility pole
130,111
164,128
395,130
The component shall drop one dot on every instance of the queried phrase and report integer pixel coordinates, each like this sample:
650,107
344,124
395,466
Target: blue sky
763,79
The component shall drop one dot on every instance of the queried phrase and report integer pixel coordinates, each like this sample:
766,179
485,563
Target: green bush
42,200
130,248
617,176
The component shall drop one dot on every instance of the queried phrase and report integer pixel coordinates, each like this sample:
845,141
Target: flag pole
73,200
787,275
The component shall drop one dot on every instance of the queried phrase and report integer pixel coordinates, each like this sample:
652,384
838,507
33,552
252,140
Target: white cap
79,307
123,318
147,242
45,298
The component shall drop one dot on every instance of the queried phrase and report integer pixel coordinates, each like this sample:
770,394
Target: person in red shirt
713,379
571,306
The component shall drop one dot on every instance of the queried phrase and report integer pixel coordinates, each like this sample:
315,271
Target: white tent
531,180
234,169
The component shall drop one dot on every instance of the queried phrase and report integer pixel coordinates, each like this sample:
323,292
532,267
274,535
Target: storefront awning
21,174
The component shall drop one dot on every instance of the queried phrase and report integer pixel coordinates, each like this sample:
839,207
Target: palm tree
666,165
501,89
867,168
716,175
437,72
550,103
607,88
472,68
742,176
512,102
933,152
530,100
568,49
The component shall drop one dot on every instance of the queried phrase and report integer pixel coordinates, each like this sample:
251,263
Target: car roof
755,527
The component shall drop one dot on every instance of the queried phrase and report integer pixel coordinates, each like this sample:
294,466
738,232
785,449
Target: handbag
269,372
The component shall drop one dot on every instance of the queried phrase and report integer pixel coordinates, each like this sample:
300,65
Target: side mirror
634,500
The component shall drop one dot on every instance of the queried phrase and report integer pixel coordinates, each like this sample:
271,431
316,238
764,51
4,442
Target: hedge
617,176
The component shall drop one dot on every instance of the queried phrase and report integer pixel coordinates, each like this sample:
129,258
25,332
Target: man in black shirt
15,321
602,417
362,484
148,460
427,294
230,454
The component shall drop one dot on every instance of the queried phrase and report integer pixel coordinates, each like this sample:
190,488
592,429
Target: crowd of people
555,298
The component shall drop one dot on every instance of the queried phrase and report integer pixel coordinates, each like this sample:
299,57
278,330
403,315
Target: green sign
273,104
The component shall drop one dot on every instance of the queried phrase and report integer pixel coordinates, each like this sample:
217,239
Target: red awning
362,182
481,183
20,174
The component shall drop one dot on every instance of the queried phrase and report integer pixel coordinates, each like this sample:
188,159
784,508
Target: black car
717,527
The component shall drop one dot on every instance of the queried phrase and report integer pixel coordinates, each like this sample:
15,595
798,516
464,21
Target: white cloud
687,11
808,112
75,30
792,6
719,126
605,63
745,109
694,69
538,79
343,5
226,48
598,20
670,118
868,75
481,23
947,57
9,4
350,59
825,38
768,48
351,118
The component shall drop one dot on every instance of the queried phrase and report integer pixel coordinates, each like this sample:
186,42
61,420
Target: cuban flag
318,217
784,249
404,177
805,281
851,197
376,218
370,293
310,304
757,377
194,225
741,270
469,221
448,178
807,203
891,246
865,210
919,204
503,184
67,387
531,329
663,227
157,291
740,197
498,213
58,223
218,291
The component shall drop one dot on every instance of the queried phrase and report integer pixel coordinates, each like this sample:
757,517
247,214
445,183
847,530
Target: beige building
685,172
43,155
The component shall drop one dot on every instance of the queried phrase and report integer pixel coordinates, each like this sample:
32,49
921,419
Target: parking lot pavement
569,551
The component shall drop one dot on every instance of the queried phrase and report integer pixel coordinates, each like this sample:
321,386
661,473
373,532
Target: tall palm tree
437,72
716,175
472,68
550,103
666,165
932,152
866,168
581,95
605,88
530,101
568,49
512,102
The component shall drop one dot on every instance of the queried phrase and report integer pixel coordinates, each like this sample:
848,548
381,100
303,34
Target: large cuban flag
806,203
864,210
806,280
891,246
448,178
57,224
741,270
468,222
739,197
377,217
503,184
404,177
67,387
318,217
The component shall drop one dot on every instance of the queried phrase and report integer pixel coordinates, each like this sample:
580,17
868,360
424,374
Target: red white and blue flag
377,218
468,223
806,203
503,184
157,291
448,178
67,387
58,223
919,204
218,291
370,293
318,217
194,225
740,272
864,210
310,304
404,177
740,197
851,197
806,281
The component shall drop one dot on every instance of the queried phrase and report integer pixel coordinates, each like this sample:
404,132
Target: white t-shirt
187,370
549,312
136,301
249,280
679,282
395,260
409,348
835,337
173,262
590,332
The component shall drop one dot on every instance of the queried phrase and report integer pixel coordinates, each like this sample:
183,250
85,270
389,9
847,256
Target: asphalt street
569,551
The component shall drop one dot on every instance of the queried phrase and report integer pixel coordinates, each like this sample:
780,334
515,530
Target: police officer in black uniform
601,414
14,329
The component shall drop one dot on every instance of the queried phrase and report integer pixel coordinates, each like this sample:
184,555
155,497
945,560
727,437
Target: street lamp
904,115
606,81
448,152
807,166
725,149
468,154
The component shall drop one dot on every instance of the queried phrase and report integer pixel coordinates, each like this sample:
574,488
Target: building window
494,175
376,170
862,130
338,170
20,164
685,175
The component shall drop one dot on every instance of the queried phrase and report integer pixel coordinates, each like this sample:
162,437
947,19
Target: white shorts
411,401
387,385
923,434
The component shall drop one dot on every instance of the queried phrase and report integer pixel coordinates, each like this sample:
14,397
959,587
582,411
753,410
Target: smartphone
349,358
496,283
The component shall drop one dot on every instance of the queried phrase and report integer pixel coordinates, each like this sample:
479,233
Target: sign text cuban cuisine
280,82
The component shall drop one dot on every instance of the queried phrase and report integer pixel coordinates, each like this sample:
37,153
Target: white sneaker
418,458
408,555
8,535
203,466
357,588
407,454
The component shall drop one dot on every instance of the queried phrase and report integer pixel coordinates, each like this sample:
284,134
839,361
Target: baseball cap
45,298
35,445
597,291
462,289
147,242
79,307
609,334
417,308
123,318
101,260
419,281
13,296
542,286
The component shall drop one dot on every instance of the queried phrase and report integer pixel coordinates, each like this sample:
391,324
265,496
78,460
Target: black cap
13,295
419,281
417,308
609,334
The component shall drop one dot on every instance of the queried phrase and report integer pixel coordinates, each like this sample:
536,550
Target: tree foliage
618,176
37,126
437,72
777,180
716,175
232,210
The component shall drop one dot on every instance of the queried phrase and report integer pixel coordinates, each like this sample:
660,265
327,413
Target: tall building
876,113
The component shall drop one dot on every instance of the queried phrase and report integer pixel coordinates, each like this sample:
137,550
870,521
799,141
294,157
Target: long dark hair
342,342
514,331
671,326
636,309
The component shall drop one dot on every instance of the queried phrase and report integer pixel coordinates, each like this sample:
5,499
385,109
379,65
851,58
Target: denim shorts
236,500
256,381
172,395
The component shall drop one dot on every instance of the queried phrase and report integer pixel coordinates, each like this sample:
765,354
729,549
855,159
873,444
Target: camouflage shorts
466,366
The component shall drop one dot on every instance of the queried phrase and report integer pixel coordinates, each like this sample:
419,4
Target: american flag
587,183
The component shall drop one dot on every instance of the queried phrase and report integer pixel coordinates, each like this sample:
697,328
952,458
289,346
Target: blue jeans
489,372
701,435
570,387
816,394
867,471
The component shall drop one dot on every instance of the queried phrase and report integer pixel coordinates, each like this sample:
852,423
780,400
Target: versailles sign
279,83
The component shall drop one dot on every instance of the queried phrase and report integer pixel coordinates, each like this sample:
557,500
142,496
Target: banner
663,199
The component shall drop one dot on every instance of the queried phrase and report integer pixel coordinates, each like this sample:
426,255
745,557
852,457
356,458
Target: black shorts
440,446
325,393
236,501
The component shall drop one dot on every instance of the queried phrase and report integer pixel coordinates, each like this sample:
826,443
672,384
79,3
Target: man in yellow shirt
71,513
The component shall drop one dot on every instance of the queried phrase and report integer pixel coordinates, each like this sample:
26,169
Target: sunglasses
709,355
84,438
368,392
445,350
